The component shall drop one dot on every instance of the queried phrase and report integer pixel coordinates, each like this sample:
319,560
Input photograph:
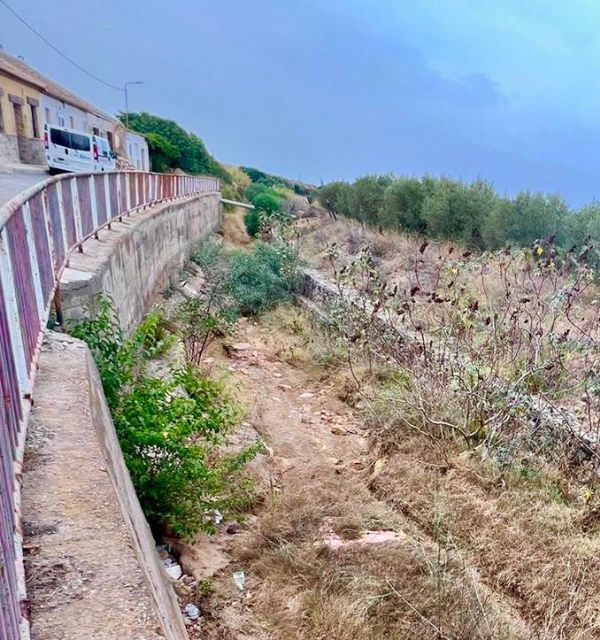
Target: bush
260,279
252,222
169,428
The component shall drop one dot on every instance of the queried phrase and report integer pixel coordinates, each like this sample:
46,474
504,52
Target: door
20,129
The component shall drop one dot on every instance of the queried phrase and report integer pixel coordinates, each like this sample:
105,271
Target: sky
505,90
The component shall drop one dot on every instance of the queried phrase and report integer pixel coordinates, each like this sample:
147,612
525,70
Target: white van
104,158
76,151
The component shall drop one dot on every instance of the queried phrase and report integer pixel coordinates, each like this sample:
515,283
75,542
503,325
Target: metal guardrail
38,231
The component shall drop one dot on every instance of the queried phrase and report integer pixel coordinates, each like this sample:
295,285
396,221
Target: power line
64,55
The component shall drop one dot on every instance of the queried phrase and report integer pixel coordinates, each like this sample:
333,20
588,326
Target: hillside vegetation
473,214
171,147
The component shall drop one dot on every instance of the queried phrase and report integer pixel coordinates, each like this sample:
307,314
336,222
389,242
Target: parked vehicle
76,151
104,158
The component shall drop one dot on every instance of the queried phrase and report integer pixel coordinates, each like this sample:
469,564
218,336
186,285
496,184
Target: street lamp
127,101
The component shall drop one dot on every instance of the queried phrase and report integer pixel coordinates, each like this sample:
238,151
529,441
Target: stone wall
132,261
9,151
32,151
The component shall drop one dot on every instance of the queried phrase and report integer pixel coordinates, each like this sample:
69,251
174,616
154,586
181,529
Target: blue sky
506,90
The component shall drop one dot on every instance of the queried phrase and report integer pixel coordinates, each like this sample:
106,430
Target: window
72,122
47,115
61,121
61,138
96,131
80,143
1,119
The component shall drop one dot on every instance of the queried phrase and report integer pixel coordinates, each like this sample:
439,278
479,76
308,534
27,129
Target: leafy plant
261,278
170,428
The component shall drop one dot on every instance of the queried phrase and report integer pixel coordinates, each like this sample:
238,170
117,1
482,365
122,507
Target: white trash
240,579
191,611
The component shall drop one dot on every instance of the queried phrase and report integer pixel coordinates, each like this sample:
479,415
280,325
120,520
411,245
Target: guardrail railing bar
51,220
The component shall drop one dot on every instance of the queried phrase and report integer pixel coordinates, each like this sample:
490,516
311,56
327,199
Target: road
18,180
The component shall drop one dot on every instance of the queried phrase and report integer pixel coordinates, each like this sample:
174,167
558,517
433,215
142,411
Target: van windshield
70,140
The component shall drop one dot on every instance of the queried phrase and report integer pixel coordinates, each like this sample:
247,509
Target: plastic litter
240,579
191,611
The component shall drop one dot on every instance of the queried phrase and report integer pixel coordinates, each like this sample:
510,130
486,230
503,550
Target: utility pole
127,100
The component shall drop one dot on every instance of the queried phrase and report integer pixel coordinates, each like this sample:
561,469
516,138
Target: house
20,122
29,100
137,150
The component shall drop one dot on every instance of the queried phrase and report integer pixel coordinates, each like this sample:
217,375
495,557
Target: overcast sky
506,90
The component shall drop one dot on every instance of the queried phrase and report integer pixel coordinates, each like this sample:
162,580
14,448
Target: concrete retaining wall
94,571
132,261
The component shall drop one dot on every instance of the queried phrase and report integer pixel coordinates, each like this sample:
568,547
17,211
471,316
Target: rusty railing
38,230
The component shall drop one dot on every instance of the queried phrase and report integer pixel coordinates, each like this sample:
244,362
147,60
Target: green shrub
252,222
170,428
259,279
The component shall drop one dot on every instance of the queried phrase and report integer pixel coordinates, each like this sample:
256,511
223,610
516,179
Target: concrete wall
133,260
96,573
165,602
9,149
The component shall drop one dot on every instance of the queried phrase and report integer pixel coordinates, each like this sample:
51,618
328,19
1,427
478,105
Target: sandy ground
312,439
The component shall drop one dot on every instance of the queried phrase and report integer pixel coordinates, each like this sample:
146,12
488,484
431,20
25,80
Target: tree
163,155
402,205
192,155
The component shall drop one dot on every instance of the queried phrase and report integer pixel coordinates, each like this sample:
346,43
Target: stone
307,394
174,571
338,431
241,346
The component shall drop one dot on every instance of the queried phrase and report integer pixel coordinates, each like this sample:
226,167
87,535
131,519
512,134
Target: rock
191,611
234,527
241,346
307,394
174,571
276,374
359,465
337,430
201,558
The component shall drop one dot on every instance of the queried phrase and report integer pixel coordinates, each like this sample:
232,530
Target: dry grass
407,588
517,545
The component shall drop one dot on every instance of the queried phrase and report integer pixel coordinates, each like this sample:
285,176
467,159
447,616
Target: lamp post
127,100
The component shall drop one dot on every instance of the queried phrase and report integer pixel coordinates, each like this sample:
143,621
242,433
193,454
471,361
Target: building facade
20,123
137,150
29,100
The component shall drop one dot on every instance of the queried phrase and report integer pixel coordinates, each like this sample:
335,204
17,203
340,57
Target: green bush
252,222
170,428
259,279
192,155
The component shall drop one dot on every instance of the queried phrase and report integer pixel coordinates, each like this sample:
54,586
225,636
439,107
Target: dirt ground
367,531
319,511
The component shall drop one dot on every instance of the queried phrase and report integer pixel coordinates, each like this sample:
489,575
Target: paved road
18,180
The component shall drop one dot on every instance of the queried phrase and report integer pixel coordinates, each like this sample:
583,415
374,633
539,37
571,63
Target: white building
58,106
137,150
